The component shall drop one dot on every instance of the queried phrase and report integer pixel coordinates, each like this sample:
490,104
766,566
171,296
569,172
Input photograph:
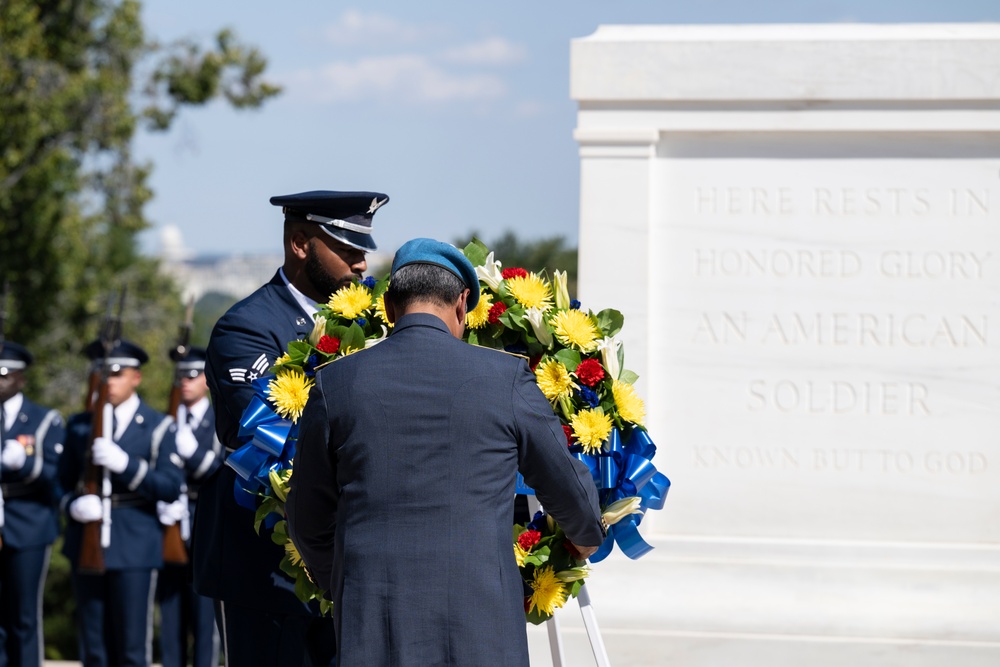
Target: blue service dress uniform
31,524
403,493
260,618
114,609
182,611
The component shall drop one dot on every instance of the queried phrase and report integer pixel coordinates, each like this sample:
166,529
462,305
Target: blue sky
459,111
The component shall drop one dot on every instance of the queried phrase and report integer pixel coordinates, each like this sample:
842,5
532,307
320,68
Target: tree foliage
71,193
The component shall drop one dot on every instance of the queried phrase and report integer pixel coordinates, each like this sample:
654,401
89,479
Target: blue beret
14,357
191,363
346,216
125,354
429,251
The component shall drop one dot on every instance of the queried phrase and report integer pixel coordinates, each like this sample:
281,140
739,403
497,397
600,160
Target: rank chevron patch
258,368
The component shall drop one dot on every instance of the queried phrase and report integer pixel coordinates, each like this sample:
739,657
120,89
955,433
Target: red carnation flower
513,272
569,434
533,362
496,310
328,344
527,604
528,539
590,372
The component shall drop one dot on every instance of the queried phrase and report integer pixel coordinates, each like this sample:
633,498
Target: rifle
3,435
174,536
96,480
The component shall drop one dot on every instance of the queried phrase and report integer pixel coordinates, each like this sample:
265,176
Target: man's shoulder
267,298
149,412
35,412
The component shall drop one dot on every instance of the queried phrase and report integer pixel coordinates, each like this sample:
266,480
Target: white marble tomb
801,224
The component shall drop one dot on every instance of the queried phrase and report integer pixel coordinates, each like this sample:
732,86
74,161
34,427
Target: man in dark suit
32,440
183,613
326,237
115,608
403,484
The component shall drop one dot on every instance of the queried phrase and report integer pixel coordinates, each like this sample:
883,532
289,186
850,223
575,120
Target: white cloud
404,78
377,30
490,51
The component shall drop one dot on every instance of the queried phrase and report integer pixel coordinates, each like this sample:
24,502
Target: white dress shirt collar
124,414
11,407
308,306
197,411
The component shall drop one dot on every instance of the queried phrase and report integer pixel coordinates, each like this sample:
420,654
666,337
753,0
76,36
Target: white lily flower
573,574
489,273
560,286
373,341
319,330
620,509
537,319
609,356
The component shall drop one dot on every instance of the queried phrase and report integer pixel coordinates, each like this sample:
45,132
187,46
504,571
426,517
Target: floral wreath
578,364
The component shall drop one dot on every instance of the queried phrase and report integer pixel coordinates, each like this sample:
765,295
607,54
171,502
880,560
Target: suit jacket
403,494
151,475
231,561
31,516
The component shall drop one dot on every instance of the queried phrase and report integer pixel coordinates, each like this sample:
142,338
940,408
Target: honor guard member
326,237
32,438
115,608
184,614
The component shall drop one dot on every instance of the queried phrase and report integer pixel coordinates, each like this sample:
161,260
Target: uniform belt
16,489
128,500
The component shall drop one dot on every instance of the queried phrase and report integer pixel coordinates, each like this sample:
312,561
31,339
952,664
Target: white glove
107,454
86,509
13,456
186,442
171,513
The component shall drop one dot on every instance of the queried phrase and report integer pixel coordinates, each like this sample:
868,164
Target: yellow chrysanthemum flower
293,554
575,329
549,593
519,554
530,291
289,391
480,315
630,406
380,310
351,301
591,428
283,359
553,379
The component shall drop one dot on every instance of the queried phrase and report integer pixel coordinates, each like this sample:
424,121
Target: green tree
72,195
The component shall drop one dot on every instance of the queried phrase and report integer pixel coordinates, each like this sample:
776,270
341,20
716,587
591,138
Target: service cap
125,354
438,253
346,216
192,363
14,357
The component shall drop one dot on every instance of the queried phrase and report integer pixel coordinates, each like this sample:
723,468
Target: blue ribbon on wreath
622,470
269,444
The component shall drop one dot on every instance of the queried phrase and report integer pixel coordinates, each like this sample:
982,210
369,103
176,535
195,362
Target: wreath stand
586,610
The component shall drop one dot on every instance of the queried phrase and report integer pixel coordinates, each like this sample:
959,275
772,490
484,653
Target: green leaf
568,358
472,336
610,321
476,252
628,376
536,617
